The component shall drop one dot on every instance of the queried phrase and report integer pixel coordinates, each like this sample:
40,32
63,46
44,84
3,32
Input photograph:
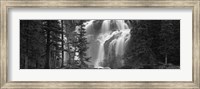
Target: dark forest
99,44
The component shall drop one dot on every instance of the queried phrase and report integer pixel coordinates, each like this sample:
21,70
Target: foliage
39,41
43,44
151,41
31,44
77,43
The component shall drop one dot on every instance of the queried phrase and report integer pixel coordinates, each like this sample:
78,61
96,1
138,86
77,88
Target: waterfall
107,44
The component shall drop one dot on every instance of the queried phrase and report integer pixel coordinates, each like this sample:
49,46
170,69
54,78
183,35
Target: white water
117,35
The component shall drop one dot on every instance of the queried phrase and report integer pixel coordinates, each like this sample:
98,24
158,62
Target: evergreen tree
170,42
153,44
53,41
82,45
31,43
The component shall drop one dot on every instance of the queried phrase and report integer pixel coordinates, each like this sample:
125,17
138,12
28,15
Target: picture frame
4,46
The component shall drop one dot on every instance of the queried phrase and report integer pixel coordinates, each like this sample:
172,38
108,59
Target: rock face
107,44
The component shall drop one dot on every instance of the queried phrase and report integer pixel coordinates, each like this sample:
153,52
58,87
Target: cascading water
107,46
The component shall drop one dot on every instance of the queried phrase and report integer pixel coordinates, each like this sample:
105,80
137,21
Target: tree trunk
165,52
75,49
37,63
166,59
68,47
26,62
54,60
47,48
27,48
62,64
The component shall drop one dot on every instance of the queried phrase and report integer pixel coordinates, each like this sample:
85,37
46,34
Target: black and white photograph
99,44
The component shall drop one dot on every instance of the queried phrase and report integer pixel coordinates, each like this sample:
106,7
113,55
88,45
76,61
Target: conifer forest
100,44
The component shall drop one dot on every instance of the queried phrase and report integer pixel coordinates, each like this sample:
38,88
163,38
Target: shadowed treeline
62,44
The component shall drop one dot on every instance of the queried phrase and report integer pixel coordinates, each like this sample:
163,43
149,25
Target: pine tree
170,42
69,28
31,43
82,45
53,41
